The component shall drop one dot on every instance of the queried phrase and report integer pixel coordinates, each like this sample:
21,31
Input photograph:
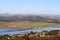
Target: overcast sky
30,6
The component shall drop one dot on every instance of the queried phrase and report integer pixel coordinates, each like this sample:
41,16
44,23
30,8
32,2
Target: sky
30,6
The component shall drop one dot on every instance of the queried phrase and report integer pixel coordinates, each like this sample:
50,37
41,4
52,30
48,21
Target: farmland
26,24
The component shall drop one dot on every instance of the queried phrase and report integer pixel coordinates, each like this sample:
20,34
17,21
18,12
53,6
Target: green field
25,24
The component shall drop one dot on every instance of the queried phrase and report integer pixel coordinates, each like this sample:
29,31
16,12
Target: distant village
44,35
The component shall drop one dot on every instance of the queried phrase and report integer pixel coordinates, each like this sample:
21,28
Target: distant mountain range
20,17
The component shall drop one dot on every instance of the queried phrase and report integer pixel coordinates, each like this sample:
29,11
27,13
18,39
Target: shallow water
19,31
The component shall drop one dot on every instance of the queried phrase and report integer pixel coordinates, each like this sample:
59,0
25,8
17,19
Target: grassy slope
24,25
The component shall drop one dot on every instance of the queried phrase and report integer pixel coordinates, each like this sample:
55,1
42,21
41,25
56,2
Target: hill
19,17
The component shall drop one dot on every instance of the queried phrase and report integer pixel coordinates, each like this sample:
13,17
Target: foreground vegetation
45,35
25,24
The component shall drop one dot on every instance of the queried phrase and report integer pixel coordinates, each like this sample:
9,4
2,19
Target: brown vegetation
45,35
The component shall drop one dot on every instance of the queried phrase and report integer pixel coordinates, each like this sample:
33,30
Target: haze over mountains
29,17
